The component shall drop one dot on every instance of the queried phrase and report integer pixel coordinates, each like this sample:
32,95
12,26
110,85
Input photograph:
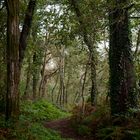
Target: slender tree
28,78
35,81
90,42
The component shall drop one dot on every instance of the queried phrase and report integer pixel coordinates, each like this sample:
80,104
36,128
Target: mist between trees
70,53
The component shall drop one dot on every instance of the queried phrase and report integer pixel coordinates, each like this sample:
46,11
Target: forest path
63,126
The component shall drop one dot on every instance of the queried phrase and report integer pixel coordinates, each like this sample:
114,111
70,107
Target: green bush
41,110
84,130
30,125
110,133
118,133
33,131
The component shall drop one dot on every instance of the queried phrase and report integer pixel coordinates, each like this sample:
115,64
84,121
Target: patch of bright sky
51,65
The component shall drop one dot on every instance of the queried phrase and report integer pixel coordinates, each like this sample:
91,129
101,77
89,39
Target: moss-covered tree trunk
12,96
122,76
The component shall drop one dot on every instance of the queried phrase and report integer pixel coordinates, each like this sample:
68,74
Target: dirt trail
64,127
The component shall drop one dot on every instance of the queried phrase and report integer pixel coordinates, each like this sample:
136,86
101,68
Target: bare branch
137,17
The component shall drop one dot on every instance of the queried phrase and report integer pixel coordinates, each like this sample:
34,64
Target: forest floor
63,126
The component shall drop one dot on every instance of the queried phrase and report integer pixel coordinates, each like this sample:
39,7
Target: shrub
30,126
41,110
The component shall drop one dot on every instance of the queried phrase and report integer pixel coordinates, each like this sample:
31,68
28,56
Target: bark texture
15,52
12,95
122,77
26,29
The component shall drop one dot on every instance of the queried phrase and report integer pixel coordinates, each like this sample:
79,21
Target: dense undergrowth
30,123
42,110
98,124
92,122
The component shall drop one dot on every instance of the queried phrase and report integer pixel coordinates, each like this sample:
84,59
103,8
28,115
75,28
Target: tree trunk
90,44
122,77
62,76
83,82
26,93
26,29
14,54
12,96
93,92
35,76
44,85
42,74
66,89
52,92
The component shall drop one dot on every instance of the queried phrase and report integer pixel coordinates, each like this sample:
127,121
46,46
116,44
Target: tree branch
137,44
137,17
129,6
26,29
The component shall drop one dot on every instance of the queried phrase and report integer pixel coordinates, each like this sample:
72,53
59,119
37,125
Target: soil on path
63,126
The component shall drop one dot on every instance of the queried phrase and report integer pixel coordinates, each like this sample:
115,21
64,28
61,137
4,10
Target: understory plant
97,122
30,125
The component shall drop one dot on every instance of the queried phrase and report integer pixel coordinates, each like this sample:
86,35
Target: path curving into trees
63,126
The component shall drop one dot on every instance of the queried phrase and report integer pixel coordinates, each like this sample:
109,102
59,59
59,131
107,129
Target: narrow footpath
63,126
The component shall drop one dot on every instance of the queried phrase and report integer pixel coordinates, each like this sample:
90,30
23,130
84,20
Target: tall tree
15,52
2,55
12,96
122,76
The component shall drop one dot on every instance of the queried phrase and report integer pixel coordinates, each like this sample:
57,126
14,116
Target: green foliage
26,130
118,133
41,110
112,133
84,130
34,131
91,120
101,125
96,116
133,134
56,21
30,126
